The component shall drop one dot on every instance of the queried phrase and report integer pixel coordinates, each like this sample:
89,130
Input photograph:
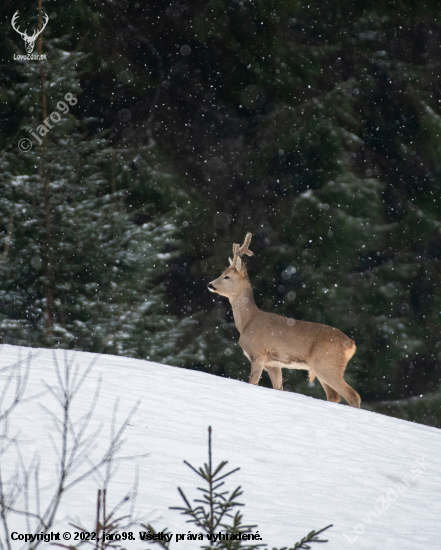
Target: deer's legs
349,394
331,394
256,371
340,386
276,377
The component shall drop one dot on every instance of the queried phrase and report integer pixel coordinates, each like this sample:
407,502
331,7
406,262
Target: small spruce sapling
212,512
216,512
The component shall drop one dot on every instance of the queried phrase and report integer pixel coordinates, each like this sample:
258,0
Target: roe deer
273,342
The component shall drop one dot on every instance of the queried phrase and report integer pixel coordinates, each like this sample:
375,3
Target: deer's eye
226,277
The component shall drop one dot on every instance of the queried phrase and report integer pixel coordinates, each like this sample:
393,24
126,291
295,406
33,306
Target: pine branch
310,537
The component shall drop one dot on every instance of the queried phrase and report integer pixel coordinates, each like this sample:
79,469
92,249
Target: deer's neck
244,307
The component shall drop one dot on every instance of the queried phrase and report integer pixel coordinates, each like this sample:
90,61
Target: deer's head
28,40
232,280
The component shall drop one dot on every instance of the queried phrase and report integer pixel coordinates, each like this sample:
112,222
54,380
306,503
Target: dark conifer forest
179,127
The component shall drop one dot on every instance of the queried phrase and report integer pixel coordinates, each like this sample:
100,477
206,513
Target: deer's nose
210,286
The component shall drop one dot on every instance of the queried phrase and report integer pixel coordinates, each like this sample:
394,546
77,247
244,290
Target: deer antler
13,21
37,33
239,251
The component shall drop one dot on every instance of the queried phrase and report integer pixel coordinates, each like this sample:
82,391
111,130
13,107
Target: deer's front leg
276,377
256,371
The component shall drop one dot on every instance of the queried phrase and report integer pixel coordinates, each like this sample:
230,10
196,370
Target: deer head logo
29,40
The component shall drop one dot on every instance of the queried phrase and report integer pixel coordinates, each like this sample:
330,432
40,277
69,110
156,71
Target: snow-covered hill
304,462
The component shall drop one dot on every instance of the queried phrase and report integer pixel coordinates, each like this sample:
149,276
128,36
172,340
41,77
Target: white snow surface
305,463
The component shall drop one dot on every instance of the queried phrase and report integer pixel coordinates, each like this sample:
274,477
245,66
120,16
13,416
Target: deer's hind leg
330,371
276,377
331,394
348,393
341,387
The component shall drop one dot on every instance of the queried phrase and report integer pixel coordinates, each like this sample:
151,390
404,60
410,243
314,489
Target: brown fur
273,342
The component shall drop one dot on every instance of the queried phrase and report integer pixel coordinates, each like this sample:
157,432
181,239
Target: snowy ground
304,462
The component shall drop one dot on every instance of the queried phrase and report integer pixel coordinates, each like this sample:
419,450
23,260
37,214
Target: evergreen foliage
314,125
92,228
307,124
217,512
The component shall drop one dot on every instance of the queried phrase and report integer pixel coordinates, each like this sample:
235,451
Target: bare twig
73,444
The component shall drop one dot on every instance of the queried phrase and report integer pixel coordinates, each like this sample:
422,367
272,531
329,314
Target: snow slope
304,462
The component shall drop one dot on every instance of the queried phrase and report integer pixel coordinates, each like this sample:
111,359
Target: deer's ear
231,261
238,264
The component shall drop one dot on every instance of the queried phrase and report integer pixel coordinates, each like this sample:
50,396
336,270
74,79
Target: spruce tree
86,243
216,514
